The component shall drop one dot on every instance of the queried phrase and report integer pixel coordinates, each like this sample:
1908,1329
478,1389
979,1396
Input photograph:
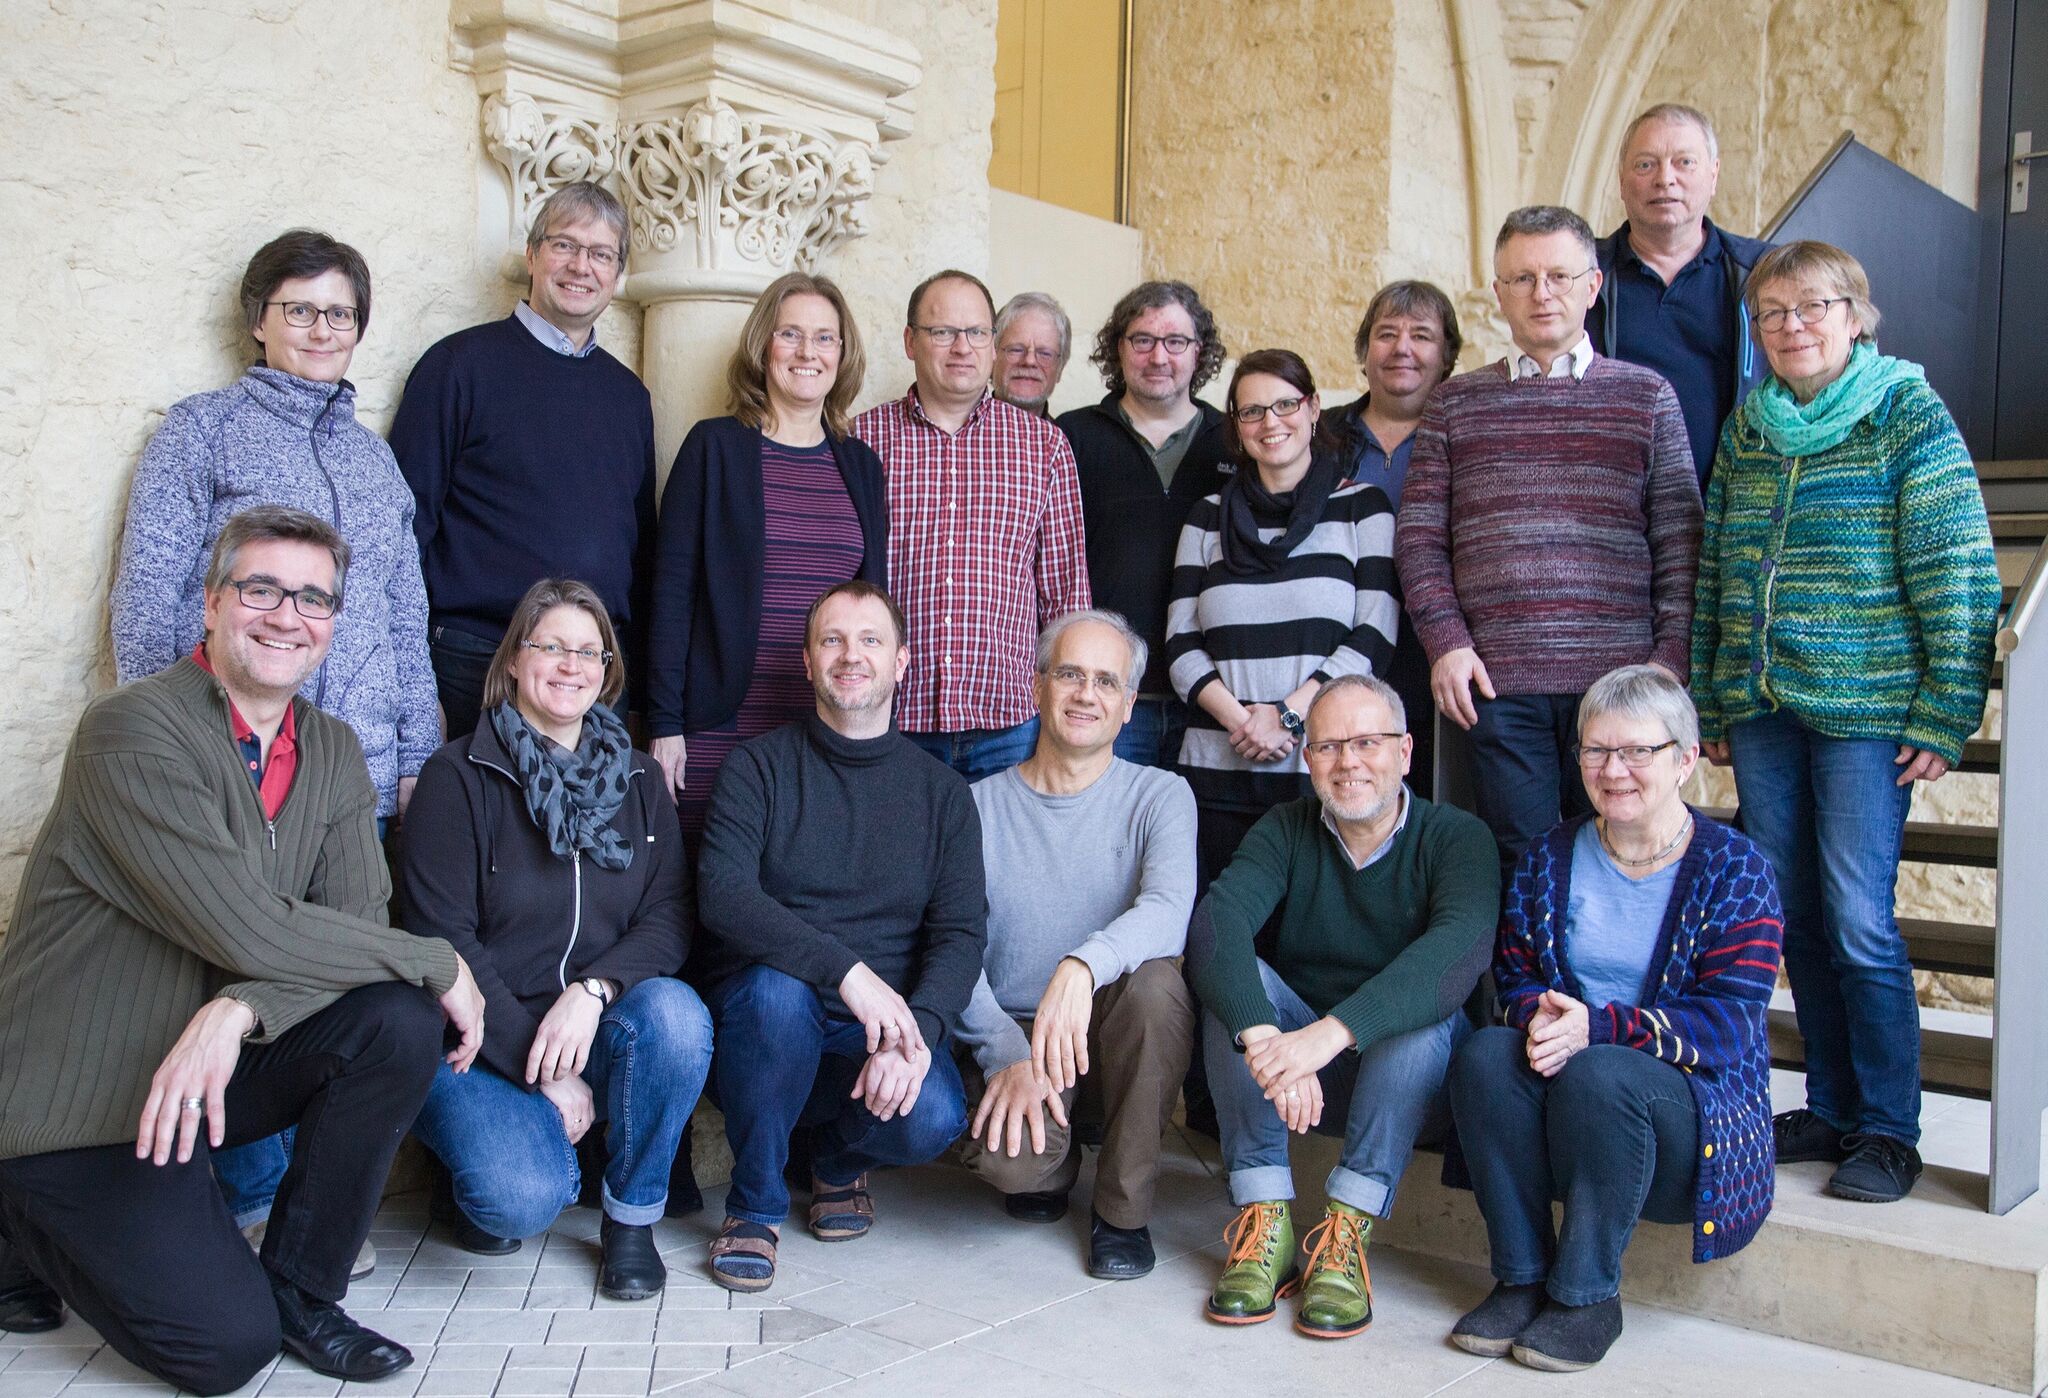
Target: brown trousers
1139,1040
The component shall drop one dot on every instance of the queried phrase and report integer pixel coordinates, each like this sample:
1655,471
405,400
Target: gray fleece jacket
273,438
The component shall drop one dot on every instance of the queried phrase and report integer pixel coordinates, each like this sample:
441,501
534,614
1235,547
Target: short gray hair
1645,692
1541,220
263,523
573,203
1049,639
1371,684
1673,111
1037,301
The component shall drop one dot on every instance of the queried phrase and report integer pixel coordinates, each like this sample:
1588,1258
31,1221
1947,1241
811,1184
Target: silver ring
1292,1093
194,1104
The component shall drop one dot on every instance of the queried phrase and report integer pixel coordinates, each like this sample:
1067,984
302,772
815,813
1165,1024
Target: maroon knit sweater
1552,525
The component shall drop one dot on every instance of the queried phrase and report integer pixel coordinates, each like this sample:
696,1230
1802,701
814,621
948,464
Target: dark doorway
2013,202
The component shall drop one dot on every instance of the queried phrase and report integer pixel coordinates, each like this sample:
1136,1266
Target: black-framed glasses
1556,283
601,257
303,313
944,335
1107,685
1635,755
1809,313
1250,413
1175,344
1364,745
261,595
553,650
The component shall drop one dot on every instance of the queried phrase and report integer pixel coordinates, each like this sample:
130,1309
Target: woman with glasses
546,850
1631,1078
1841,647
1281,581
764,510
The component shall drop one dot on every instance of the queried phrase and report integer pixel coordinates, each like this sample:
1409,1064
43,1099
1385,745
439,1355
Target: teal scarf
1803,429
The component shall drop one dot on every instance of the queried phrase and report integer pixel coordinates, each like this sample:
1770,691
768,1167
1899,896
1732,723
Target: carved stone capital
544,148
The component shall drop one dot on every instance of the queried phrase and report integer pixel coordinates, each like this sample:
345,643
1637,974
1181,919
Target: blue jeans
981,752
513,1165
1525,775
249,1175
1613,1135
784,1060
1830,816
1152,737
1383,1098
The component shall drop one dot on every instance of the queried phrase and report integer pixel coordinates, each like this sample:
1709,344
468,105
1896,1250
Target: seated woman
547,851
1631,1079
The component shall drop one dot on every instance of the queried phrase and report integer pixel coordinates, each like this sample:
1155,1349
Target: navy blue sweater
526,464
705,611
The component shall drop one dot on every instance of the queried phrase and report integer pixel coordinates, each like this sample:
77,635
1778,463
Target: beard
1366,815
880,691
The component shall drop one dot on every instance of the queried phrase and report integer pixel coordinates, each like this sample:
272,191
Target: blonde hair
1807,260
746,373
540,599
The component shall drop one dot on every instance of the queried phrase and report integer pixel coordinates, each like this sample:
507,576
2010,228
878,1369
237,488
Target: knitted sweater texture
1552,524
1856,587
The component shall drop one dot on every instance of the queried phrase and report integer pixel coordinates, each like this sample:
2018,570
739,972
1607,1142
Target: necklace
1600,828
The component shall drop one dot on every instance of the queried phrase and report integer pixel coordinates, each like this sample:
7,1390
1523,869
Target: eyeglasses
825,340
944,335
1635,755
553,651
1175,344
1020,353
315,604
1363,745
1556,283
1250,413
1809,313
304,313
601,257
1074,677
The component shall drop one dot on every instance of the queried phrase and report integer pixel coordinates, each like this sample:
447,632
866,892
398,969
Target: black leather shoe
1117,1254
1875,1169
442,1208
632,1269
322,1334
1036,1208
1800,1135
27,1306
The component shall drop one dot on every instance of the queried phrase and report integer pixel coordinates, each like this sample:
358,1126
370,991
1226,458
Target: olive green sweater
157,884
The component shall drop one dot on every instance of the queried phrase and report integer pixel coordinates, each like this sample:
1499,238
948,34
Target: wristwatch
598,988
1290,720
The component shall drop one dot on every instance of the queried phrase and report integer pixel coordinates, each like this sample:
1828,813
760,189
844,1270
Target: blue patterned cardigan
1718,953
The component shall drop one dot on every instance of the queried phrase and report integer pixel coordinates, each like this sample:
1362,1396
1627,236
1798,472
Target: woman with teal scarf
1841,647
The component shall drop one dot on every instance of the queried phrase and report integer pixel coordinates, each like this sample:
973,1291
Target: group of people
677,801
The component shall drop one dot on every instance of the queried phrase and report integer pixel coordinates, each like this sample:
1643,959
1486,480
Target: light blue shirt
551,335
1361,865
1612,922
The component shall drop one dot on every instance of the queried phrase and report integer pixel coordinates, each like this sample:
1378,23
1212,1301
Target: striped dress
1328,610
812,541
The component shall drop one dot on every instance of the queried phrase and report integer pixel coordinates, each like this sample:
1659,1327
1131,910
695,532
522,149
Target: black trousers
149,1256
461,664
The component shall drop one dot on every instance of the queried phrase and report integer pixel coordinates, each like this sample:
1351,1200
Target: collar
1710,250
1400,824
300,402
1572,364
913,408
842,751
551,334
1186,429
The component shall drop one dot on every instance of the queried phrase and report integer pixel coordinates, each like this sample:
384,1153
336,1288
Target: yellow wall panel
1059,139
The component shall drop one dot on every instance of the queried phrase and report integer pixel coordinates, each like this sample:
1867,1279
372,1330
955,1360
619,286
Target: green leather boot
1336,1297
1260,1267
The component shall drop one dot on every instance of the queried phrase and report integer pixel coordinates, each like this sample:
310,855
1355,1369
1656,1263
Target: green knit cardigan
1856,588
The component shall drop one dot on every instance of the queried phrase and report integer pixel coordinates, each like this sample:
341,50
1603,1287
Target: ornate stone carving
543,150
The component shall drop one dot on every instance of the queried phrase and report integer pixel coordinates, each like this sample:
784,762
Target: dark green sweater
156,884
1385,949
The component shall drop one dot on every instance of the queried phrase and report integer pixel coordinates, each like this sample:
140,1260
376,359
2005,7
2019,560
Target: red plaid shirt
985,547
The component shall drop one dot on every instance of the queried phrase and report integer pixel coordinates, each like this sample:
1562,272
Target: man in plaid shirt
985,542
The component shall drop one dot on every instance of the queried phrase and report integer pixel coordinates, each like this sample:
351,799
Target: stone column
743,136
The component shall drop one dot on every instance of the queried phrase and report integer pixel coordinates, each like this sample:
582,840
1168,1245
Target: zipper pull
270,826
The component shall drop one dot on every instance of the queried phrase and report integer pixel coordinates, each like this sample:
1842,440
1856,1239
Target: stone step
1934,842
1955,1048
2014,487
1958,948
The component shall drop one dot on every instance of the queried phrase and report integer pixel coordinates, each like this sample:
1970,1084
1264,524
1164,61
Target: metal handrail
2028,598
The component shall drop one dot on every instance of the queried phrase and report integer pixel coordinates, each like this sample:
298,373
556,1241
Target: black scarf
572,795
1248,506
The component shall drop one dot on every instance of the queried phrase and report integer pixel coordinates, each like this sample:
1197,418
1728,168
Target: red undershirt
272,779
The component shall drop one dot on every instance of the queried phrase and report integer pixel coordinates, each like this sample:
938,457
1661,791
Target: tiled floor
947,1296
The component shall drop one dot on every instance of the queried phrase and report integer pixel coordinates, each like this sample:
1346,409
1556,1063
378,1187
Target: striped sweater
1553,525
1719,949
1856,588
1328,610
157,884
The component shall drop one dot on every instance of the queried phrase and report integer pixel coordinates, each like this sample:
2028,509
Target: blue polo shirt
1685,331
1372,464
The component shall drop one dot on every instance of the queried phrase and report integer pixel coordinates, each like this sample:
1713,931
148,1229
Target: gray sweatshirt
1107,876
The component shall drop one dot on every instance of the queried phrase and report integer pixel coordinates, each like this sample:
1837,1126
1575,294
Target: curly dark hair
1150,296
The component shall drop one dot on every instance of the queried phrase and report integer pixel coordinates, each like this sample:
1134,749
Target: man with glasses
530,452
1146,454
1671,282
985,542
1549,530
1346,1023
1033,339
199,958
1091,876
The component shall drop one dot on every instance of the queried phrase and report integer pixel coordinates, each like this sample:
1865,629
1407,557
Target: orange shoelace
1339,1241
1251,1231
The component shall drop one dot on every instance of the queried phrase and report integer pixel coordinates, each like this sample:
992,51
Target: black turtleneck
821,851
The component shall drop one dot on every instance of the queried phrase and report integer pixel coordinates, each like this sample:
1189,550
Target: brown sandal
743,1256
841,1212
